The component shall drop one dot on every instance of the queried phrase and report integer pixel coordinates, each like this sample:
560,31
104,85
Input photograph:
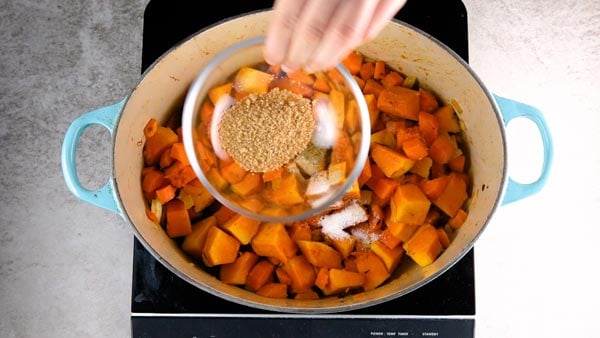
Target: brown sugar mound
262,132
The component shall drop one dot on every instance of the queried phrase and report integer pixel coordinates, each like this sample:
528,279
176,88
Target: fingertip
269,59
289,68
271,54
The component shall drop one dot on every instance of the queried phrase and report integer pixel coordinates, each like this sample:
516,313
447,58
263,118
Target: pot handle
106,117
511,109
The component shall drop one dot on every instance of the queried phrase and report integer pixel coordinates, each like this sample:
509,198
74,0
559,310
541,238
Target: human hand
317,34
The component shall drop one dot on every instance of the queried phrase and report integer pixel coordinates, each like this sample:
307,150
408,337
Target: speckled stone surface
65,265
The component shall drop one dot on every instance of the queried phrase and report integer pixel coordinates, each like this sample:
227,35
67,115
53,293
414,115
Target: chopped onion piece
157,208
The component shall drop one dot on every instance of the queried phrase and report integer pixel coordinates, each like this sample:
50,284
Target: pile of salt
333,225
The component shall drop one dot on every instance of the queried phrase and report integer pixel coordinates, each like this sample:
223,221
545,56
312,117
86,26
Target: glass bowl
274,146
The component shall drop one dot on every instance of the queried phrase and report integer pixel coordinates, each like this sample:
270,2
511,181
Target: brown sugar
262,132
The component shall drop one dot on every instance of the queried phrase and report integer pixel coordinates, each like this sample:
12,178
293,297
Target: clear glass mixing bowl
314,168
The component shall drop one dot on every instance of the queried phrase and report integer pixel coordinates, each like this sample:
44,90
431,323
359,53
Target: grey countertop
65,265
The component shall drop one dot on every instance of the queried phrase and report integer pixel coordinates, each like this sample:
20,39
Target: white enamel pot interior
163,89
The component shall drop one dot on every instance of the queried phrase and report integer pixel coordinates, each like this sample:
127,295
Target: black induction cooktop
164,305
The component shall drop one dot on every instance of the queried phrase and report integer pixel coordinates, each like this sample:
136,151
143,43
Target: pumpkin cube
219,247
217,93
309,294
422,167
194,242
337,100
301,272
286,191
444,238
392,163
453,196
201,197
424,246
415,148
390,257
388,239
254,203
409,205
322,278
343,150
443,149
292,85
223,214
157,143
283,276
216,179
459,219
241,227
178,220
273,290
233,172
374,112
447,119
274,211
385,187
272,240
373,267
340,280
300,231
384,137
344,246
302,76
352,120
252,80
260,274
320,254
250,184
402,231
236,273
400,101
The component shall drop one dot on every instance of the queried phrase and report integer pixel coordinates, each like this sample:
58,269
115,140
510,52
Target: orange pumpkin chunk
409,205
236,273
390,257
161,140
272,240
340,280
219,247
251,80
400,101
373,267
194,242
402,231
453,196
392,163
178,221
260,274
424,246
320,254
301,272
241,227
344,245
273,290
